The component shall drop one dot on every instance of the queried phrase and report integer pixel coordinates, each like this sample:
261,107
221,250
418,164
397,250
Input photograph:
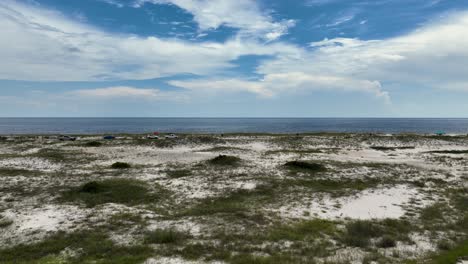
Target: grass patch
220,149
225,160
382,148
304,166
449,151
359,233
302,231
95,247
176,174
235,203
433,213
93,144
296,151
164,236
54,155
338,187
4,223
123,191
121,165
452,256
10,172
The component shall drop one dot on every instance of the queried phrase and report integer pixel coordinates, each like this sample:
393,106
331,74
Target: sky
234,58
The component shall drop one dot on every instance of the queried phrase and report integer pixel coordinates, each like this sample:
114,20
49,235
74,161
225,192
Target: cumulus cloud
274,84
127,92
243,14
433,56
49,46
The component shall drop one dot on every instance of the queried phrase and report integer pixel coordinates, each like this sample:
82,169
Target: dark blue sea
10,126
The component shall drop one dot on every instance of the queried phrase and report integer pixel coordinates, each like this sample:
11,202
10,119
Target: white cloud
274,84
127,92
243,14
434,56
39,44
120,91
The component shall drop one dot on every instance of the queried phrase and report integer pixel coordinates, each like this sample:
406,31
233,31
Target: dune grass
225,160
120,165
453,255
93,144
91,247
123,191
164,236
304,166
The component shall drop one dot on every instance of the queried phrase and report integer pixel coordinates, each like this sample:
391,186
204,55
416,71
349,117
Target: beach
234,198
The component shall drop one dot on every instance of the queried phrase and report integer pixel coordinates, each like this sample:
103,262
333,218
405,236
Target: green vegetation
55,155
121,165
164,236
90,247
124,191
93,144
224,160
233,203
433,213
452,256
304,166
296,151
381,148
221,149
359,233
5,223
175,174
306,230
337,187
11,172
449,151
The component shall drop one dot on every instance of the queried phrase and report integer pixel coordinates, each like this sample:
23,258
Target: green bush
120,165
224,160
386,242
164,236
304,166
121,191
93,144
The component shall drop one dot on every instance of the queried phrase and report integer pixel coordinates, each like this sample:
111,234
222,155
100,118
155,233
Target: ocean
17,126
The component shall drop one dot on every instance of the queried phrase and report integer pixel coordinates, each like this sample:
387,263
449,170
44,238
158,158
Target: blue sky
234,58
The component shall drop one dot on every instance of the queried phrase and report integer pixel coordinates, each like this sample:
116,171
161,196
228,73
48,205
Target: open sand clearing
317,198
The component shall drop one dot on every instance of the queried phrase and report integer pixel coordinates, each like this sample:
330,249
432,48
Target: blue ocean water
229,125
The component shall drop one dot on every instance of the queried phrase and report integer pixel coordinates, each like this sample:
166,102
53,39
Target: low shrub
123,191
164,236
121,165
224,160
304,166
93,144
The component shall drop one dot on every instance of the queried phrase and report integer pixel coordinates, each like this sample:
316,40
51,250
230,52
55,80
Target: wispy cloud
72,51
245,15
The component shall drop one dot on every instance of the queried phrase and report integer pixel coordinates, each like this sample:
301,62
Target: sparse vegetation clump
449,151
4,223
176,174
164,236
12,172
225,160
304,166
121,165
92,246
359,233
305,230
382,148
93,144
123,191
